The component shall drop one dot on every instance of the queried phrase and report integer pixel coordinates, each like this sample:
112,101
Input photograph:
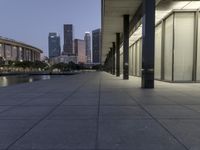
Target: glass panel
115,63
168,48
183,46
1,50
8,51
29,55
134,61
140,56
20,54
130,61
25,55
14,53
121,63
138,59
198,51
158,47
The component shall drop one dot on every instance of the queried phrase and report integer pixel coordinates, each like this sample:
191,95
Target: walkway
97,111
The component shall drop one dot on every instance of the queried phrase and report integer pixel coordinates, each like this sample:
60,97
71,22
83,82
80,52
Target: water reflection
11,80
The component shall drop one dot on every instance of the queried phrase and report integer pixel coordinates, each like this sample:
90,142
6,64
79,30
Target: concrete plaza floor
97,111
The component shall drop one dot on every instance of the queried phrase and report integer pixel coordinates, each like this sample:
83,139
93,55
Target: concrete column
126,47
148,34
117,54
113,55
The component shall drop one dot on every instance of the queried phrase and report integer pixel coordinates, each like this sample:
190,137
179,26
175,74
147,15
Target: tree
2,62
41,65
72,65
97,67
61,66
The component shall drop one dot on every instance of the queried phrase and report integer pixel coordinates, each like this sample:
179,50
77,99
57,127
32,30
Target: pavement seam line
183,105
158,122
43,118
98,117
21,104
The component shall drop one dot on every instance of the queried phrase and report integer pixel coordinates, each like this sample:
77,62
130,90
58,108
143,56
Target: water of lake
11,80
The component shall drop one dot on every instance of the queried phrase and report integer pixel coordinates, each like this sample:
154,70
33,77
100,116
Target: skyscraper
96,45
88,46
54,45
79,47
68,39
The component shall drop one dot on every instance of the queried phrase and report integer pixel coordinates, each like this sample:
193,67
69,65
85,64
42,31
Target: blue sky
30,21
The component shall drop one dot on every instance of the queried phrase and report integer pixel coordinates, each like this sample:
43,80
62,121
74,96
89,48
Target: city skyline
32,27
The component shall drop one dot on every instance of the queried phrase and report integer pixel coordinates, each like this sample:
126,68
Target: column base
126,73
147,79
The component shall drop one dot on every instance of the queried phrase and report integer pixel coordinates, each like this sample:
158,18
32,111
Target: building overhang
112,20
113,11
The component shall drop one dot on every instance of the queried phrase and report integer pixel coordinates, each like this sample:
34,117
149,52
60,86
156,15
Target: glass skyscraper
96,45
54,45
87,39
68,39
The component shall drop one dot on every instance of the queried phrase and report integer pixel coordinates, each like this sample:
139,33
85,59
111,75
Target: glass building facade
177,48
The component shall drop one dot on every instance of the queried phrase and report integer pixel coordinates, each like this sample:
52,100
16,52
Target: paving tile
43,101
185,100
135,134
54,95
60,134
171,111
81,101
153,100
10,130
122,112
116,98
117,102
11,102
194,107
74,112
186,130
86,94
3,108
25,112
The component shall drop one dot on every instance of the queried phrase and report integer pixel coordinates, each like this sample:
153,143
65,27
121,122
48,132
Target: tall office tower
79,47
87,39
96,45
54,45
68,39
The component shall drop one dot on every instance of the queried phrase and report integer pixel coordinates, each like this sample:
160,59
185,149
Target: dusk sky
30,21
